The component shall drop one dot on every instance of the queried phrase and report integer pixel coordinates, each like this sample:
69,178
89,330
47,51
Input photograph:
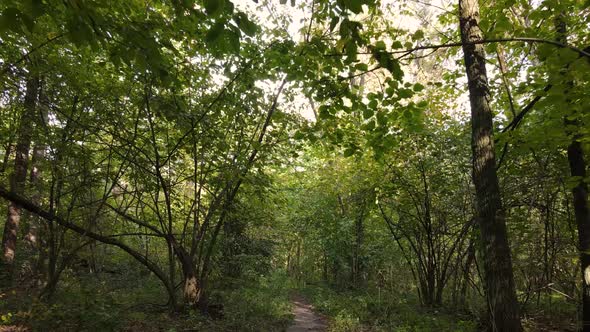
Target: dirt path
305,318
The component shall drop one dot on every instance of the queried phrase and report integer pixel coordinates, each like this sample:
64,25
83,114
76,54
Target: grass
104,302
353,311
109,302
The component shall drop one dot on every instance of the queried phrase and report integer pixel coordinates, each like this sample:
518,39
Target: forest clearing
301,165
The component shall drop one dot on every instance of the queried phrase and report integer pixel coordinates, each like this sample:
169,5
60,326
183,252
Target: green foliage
162,132
354,311
261,305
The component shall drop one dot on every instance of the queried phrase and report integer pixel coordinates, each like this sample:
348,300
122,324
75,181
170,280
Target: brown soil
305,318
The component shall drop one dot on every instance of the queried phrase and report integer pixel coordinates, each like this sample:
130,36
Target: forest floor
305,317
95,302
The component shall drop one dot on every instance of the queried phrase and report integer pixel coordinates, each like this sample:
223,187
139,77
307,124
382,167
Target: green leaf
396,45
355,6
367,113
351,51
9,20
418,87
418,35
502,24
299,135
361,67
246,25
213,7
405,93
215,32
395,69
233,38
422,104
349,151
334,22
382,119
324,112
380,45
369,126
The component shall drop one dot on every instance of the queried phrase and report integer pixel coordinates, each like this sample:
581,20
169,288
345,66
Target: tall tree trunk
19,176
7,153
499,279
358,264
34,234
577,163
575,156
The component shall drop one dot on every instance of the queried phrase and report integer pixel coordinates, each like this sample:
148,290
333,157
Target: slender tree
19,176
497,263
577,165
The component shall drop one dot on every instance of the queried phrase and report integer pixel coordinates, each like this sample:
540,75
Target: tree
19,175
499,279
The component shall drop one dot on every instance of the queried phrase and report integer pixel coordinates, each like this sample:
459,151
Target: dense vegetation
405,165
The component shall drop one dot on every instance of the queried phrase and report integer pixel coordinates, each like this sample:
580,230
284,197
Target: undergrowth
355,311
97,302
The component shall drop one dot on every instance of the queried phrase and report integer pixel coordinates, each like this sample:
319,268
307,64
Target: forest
302,165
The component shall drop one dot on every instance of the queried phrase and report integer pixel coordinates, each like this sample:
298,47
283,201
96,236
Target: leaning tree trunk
19,176
499,279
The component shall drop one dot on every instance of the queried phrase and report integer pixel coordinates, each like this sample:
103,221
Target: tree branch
581,52
49,216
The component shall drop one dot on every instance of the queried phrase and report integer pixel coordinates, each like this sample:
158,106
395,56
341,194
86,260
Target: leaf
80,33
369,125
246,25
380,45
418,87
395,69
382,119
351,51
502,25
215,32
361,67
349,151
213,7
355,6
299,135
405,93
167,44
234,41
418,35
396,45
334,22
324,112
9,19
367,113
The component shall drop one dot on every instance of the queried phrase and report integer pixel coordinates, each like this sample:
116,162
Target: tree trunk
191,291
358,264
7,152
19,176
577,163
499,279
34,235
